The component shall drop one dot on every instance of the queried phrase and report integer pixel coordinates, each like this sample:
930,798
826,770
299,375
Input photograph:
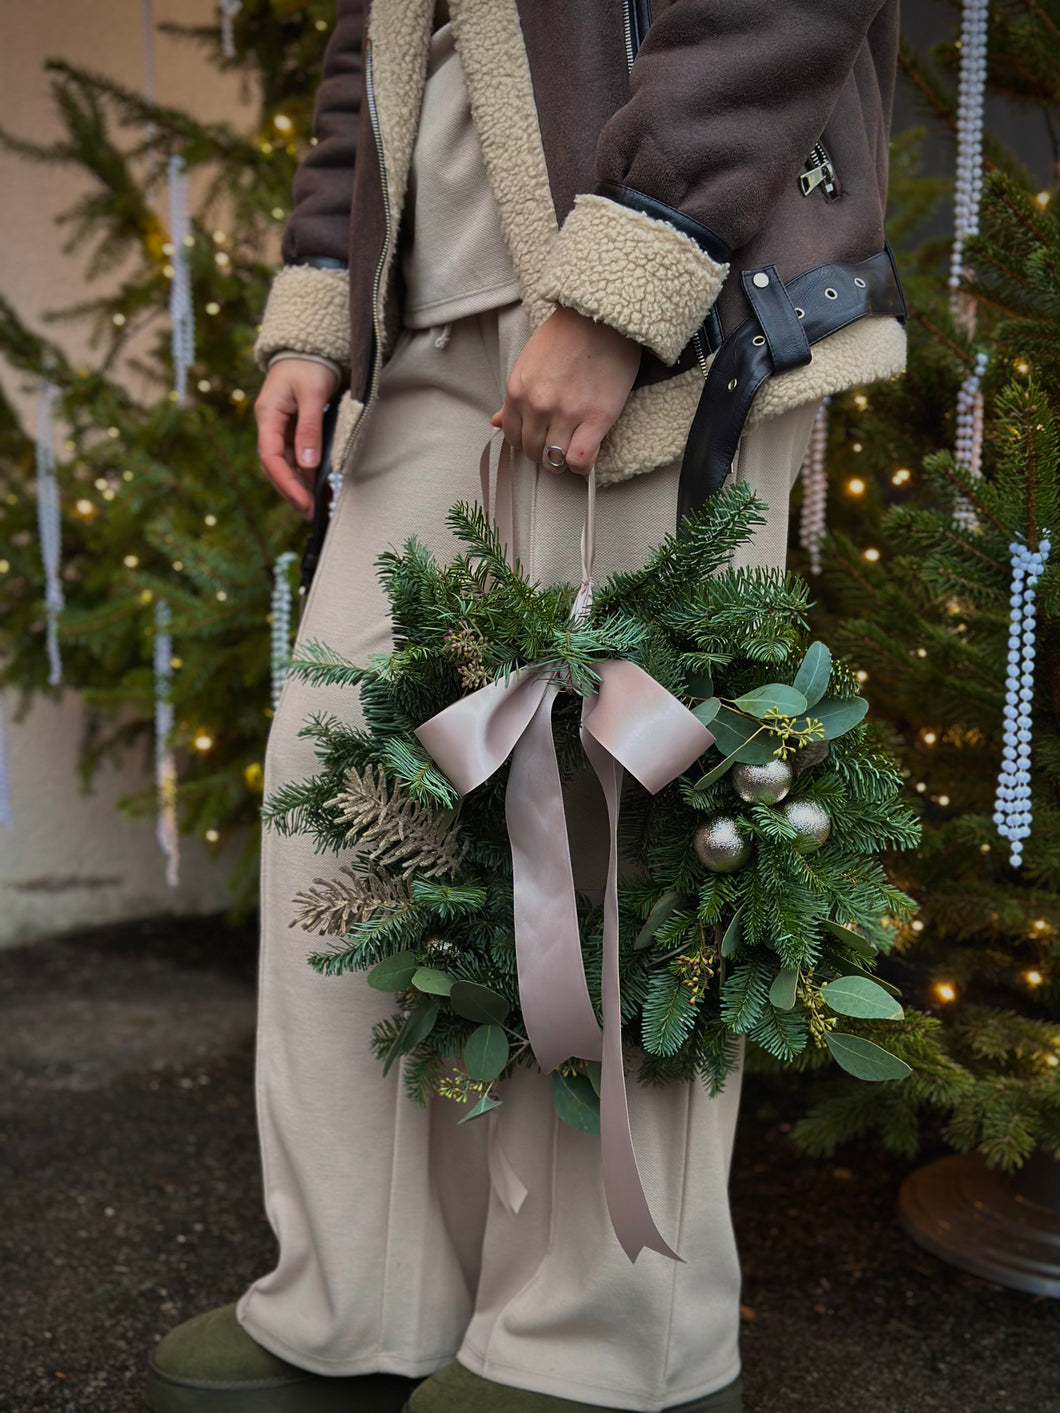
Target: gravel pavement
130,1200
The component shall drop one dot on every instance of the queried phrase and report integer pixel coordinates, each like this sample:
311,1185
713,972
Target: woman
545,219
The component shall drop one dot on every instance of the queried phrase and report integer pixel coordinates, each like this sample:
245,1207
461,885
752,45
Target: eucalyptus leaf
421,1021
785,985
733,934
484,1105
486,1052
854,940
743,739
835,716
779,695
888,986
699,684
478,1003
863,1059
576,1102
432,980
862,997
393,973
814,673
716,772
707,711
662,910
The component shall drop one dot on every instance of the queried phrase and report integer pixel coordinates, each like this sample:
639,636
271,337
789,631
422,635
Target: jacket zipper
819,173
377,322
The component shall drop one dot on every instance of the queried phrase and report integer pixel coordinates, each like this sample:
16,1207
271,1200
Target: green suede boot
455,1389
211,1365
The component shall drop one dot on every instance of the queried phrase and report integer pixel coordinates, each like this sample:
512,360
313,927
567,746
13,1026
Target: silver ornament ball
811,823
763,784
721,845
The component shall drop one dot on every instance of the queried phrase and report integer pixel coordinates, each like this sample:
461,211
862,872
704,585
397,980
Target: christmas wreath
752,899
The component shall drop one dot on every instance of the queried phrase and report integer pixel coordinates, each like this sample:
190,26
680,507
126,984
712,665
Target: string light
131,561
871,554
917,925
210,520
921,786
213,307
856,446
127,475
946,991
221,596
861,675
282,123
930,738
1040,924
944,800
1043,198
1023,367
1033,978
856,486
5,565
254,776
212,836
921,652
203,741
901,477
118,319
861,402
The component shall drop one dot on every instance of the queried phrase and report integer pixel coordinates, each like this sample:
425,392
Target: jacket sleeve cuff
308,311
640,275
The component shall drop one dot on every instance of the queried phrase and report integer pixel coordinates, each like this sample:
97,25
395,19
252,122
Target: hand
290,414
567,389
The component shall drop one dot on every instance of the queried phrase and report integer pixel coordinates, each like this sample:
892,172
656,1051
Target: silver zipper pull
821,174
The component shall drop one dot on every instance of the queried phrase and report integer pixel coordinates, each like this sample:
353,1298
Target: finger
277,459
535,430
309,432
560,433
512,424
583,451
495,420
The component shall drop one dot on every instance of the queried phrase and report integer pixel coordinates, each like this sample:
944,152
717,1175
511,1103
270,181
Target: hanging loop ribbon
630,722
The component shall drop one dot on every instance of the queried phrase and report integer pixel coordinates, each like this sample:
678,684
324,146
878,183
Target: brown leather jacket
635,190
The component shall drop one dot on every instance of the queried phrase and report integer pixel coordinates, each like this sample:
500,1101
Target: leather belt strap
785,320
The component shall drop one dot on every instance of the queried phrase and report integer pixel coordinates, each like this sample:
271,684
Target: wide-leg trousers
393,1255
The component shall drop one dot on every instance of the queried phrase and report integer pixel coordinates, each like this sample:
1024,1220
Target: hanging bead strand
167,831
181,310
227,11
968,451
815,489
49,523
281,621
6,817
1012,805
968,190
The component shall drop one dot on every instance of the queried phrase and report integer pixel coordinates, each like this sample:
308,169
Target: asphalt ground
130,1200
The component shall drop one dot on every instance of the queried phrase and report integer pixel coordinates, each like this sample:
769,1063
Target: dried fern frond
334,906
392,831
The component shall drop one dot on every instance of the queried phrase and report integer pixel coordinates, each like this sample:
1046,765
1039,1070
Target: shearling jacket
642,156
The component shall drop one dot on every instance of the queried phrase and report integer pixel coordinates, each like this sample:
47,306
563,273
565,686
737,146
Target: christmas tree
165,521
939,585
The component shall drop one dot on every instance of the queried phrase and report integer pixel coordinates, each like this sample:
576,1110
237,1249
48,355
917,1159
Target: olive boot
211,1365
455,1389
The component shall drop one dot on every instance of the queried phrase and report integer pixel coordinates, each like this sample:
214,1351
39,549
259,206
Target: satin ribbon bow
630,722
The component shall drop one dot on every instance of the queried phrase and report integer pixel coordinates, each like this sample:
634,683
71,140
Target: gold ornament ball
721,845
811,823
763,784
254,776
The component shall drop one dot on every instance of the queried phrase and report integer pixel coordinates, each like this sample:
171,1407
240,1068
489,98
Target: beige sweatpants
393,1257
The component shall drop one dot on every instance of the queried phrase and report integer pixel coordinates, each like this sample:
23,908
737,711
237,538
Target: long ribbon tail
553,992
630,1214
505,1181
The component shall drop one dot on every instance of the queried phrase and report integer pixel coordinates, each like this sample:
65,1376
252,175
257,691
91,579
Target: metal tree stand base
1002,1227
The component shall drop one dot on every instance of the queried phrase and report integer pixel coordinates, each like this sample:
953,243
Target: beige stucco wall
71,860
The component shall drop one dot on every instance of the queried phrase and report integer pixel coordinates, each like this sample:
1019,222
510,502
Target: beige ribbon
630,722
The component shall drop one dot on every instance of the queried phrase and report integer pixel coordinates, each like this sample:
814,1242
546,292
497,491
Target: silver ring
551,459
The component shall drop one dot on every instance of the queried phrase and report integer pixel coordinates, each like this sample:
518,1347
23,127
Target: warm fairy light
178,565
930,738
168,248
203,385
921,786
984,848
921,652
872,554
203,741
5,565
902,476
860,401
278,213
173,395
118,319
267,148
1043,198
213,307
1023,366
238,395
320,25
212,836
100,483
282,123
146,596
254,776
85,507
108,494
131,561
946,991
944,800
114,433
176,663
861,675
219,237
856,486
1052,1061
222,259
168,271
917,926
856,446
221,596
1040,924
187,241
126,475
1033,978
209,520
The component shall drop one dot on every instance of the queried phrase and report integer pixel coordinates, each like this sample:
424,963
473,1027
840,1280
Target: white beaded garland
968,451
335,482
1012,804
166,829
969,185
49,524
228,10
181,310
6,816
281,621
815,489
